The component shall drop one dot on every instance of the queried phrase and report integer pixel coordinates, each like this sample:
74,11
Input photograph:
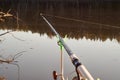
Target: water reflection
73,29
76,22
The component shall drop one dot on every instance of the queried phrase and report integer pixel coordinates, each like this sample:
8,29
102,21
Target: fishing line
82,21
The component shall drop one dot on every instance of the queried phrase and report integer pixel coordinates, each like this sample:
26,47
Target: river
92,33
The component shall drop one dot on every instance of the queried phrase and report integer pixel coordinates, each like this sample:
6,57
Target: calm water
94,37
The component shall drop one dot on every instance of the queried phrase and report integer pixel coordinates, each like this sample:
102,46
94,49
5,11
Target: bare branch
5,33
3,60
16,37
18,55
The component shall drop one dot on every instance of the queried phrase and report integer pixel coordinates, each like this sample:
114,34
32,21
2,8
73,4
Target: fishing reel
56,75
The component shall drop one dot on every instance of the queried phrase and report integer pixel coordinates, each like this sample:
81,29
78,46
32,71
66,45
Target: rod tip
41,14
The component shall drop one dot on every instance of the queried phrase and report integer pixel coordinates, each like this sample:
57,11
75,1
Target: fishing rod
80,68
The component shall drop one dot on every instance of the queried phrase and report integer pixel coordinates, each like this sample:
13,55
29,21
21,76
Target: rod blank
80,68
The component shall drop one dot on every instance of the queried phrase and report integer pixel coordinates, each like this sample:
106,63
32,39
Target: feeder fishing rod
80,68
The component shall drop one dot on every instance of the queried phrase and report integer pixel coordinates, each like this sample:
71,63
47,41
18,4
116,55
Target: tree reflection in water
73,29
94,22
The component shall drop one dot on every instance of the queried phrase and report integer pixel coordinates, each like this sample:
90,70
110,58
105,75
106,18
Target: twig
6,61
18,69
12,35
18,55
16,37
5,33
13,59
2,78
17,20
8,10
4,15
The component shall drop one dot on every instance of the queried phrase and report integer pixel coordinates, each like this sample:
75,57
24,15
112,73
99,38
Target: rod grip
84,72
80,68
